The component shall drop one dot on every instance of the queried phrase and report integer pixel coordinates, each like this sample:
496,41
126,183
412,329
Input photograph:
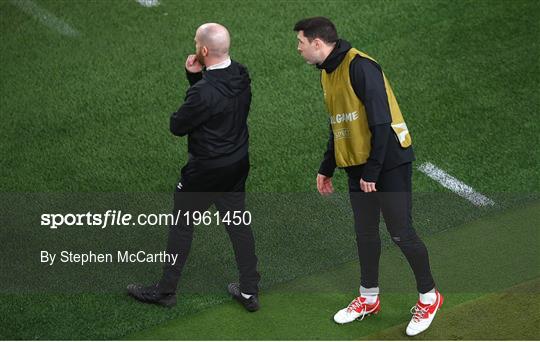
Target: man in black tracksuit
370,141
214,116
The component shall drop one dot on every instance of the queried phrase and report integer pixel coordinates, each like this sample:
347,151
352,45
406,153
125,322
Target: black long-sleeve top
214,116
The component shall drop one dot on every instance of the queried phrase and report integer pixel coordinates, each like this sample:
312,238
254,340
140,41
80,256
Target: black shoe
150,294
251,304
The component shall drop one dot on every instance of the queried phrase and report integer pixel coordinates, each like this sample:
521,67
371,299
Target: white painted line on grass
148,3
455,185
45,17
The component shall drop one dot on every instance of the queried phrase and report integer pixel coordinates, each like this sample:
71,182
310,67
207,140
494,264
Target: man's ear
318,43
204,51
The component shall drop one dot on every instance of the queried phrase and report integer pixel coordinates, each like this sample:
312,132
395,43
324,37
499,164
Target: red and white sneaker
423,315
357,309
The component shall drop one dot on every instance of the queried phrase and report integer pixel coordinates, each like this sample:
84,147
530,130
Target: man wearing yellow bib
371,142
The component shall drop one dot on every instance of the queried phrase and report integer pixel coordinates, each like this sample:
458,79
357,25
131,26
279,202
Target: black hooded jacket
368,84
214,116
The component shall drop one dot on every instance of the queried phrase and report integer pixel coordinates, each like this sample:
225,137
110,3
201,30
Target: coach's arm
191,114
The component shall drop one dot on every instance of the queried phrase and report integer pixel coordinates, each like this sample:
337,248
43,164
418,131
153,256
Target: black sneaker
150,294
251,304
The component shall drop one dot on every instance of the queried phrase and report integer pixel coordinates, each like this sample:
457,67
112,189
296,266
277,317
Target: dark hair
317,27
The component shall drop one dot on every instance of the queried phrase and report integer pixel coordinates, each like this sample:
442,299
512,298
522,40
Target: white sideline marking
45,17
455,185
148,3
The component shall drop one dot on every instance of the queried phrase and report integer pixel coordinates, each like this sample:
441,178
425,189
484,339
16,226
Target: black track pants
197,191
393,198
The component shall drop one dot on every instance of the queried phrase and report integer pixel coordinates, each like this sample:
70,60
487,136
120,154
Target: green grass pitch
89,114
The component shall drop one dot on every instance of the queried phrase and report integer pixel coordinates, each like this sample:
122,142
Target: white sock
370,294
428,297
246,296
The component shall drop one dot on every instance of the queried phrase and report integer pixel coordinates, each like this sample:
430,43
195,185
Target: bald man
214,117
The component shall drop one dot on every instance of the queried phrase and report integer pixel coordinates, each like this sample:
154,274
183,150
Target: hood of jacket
335,57
229,81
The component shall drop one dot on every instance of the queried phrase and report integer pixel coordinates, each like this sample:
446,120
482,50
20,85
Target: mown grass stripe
491,317
45,17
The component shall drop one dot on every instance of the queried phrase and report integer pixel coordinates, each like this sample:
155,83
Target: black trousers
197,190
394,199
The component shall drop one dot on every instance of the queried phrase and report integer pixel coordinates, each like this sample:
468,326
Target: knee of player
405,237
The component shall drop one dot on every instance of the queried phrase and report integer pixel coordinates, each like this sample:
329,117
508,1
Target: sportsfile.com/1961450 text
118,218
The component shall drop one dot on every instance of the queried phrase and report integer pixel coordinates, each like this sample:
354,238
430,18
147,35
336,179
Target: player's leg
180,235
396,204
189,196
366,212
242,239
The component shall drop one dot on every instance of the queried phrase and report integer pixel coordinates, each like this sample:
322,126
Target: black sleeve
368,84
191,114
328,165
193,77
379,141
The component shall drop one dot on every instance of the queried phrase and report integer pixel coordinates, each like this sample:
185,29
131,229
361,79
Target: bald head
215,38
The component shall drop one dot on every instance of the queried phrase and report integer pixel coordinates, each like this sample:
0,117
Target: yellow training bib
352,137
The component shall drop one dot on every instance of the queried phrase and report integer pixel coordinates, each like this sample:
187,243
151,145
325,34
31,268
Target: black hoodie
214,116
